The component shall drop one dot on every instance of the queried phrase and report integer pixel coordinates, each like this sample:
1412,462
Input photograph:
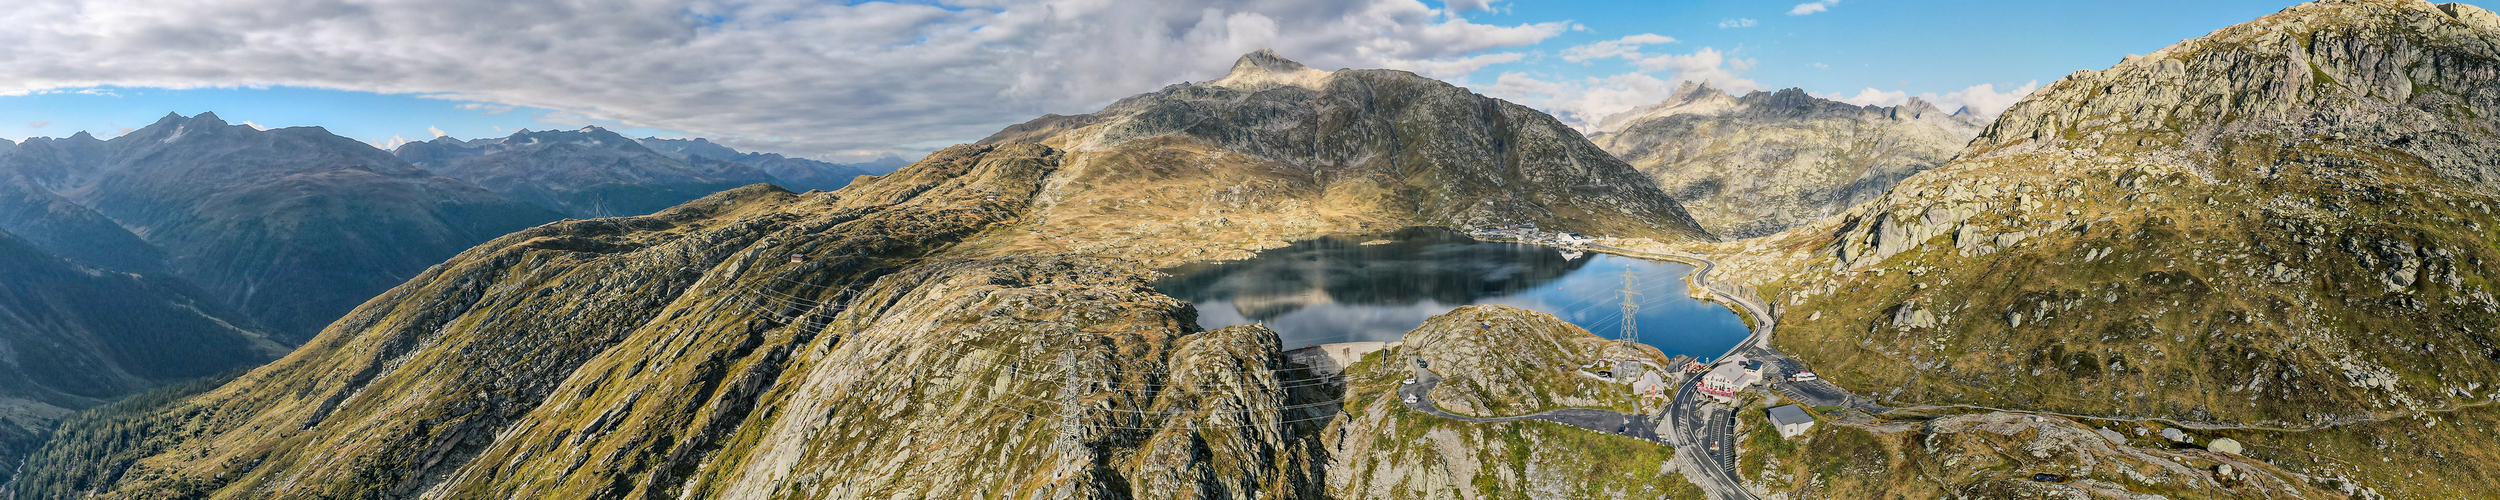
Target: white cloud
38,123
1812,7
1627,48
1705,65
1821,65
1982,98
436,131
1583,102
254,126
823,76
487,108
1738,23
392,143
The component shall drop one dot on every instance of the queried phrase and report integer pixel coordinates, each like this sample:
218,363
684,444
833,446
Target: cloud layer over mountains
800,76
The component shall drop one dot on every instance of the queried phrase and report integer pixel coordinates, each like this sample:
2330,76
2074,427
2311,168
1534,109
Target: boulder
2224,445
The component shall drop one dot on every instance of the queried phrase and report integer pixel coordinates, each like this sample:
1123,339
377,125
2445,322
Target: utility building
1791,420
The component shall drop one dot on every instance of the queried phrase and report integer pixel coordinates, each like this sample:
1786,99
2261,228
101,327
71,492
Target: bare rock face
1754,165
2404,75
1276,151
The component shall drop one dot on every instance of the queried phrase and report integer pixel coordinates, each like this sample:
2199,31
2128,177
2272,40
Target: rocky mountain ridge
289,226
584,173
2276,230
1275,151
797,174
1753,165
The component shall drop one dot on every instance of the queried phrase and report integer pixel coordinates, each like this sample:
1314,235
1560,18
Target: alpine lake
1375,288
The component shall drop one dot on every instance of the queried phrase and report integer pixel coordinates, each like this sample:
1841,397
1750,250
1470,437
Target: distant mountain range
593,172
1752,165
796,174
193,246
290,226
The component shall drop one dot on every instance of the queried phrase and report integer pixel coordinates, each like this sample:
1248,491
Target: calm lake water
1338,289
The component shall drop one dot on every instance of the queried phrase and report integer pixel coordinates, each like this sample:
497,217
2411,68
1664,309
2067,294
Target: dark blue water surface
1338,289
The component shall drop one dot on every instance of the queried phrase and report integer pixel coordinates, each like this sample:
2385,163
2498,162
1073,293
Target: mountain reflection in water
1339,289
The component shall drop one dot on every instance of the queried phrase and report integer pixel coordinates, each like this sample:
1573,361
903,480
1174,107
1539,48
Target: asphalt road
1702,432
1624,424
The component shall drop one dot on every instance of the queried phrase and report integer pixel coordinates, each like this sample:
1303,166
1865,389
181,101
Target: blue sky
861,79
1917,46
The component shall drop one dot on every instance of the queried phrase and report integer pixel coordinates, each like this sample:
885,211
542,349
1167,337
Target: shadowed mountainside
291,227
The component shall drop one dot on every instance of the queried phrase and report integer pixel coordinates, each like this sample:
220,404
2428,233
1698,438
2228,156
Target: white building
1791,420
1730,377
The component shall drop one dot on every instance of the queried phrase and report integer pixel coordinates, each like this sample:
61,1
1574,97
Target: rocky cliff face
1276,151
583,173
1753,165
290,226
2278,225
796,174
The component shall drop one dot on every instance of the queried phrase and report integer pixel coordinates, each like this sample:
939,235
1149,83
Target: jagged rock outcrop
2280,224
1754,165
291,227
583,173
2407,77
795,174
1502,361
1276,151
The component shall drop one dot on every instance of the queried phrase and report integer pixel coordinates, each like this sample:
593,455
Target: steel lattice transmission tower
1631,306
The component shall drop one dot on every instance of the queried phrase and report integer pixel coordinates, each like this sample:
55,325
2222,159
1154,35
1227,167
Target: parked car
1804,377
1409,381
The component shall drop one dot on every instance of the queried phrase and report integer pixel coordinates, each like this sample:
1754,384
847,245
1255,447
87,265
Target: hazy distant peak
1264,68
1689,98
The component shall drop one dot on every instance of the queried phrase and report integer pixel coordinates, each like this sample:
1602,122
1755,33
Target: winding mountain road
1418,397
1702,431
